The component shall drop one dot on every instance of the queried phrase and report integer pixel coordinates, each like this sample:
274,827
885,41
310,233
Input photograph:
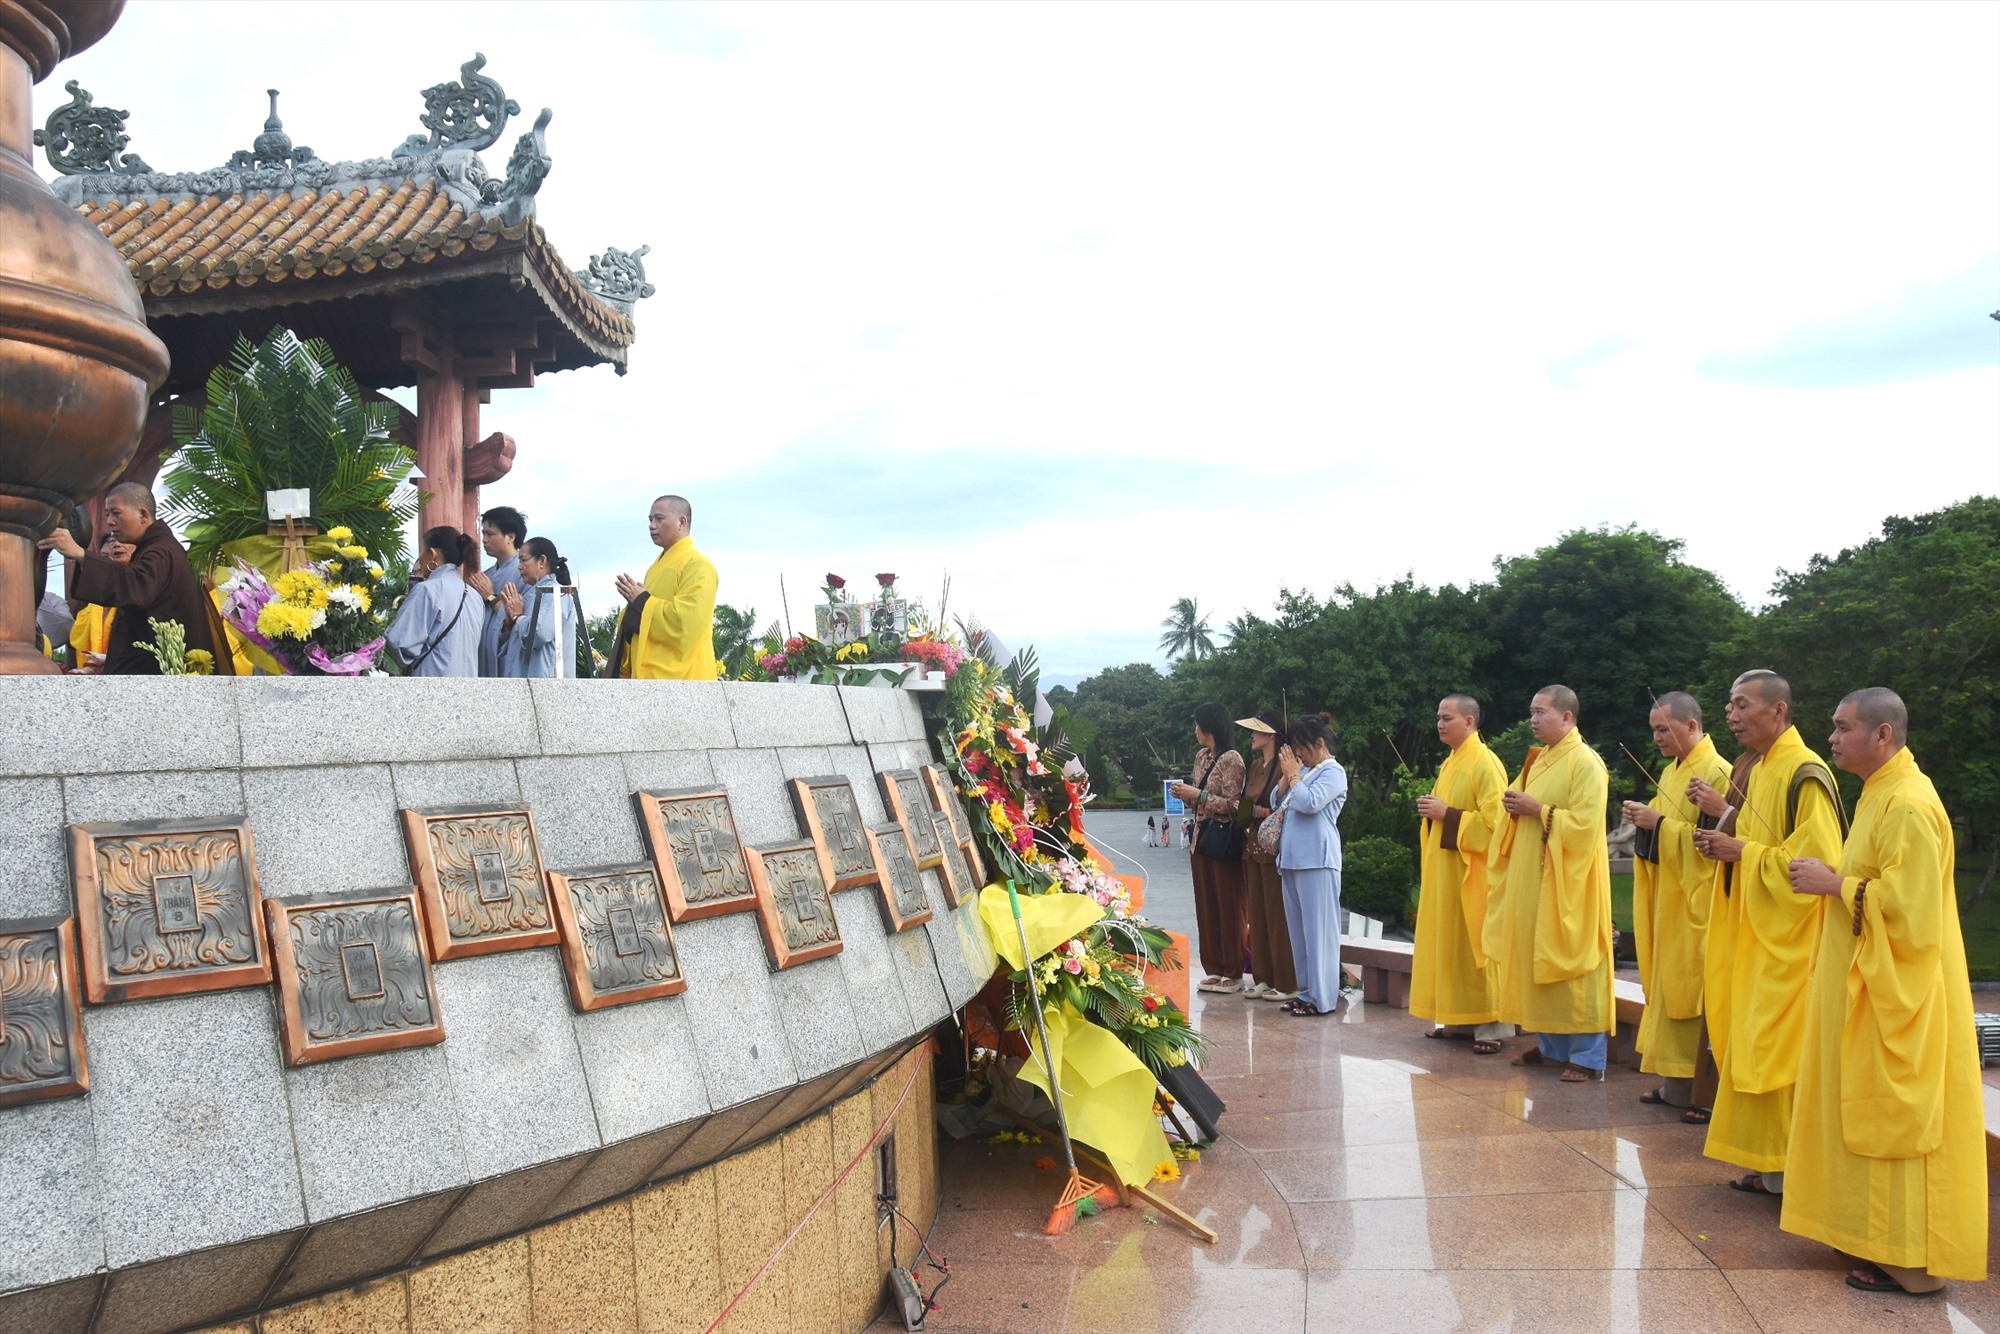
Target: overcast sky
1098,306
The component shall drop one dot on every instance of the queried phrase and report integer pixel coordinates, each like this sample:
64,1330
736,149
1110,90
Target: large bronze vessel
77,363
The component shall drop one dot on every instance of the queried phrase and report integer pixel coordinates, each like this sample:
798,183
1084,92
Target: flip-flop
1872,1278
1696,1116
1752,1183
1577,1074
1486,1047
1532,1056
1655,1098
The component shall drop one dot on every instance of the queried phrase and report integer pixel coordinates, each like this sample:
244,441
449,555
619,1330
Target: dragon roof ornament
81,142
617,277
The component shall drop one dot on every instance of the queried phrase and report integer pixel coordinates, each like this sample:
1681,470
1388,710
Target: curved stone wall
202,1176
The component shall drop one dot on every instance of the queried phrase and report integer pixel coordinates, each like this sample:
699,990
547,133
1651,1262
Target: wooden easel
294,533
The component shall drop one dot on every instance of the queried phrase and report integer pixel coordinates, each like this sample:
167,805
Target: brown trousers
1270,936
1218,915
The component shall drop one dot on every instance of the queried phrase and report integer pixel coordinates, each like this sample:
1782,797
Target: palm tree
1186,631
735,634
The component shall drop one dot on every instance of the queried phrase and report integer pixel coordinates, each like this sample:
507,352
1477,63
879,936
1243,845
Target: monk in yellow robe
1548,916
1780,805
1888,1155
667,631
1672,885
1451,980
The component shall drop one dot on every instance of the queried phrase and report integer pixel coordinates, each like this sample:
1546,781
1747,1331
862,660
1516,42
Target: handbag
1272,830
1217,840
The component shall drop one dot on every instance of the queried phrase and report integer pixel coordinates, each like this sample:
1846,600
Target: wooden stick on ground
1084,1151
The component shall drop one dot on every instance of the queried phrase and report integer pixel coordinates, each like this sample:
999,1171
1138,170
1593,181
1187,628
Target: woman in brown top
1271,970
1218,885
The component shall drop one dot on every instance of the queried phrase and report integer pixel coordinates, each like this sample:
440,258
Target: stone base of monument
415,1114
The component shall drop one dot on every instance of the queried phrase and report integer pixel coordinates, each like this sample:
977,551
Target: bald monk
1548,920
1672,885
667,631
1451,980
154,583
1779,805
1888,1156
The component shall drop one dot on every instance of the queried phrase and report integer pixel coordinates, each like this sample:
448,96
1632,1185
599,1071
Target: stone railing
229,1155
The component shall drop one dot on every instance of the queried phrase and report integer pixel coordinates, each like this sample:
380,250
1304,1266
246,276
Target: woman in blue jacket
1312,788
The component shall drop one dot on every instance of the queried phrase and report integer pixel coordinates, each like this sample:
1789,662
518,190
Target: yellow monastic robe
1760,944
675,637
1451,979
90,633
1888,1156
1548,917
1670,904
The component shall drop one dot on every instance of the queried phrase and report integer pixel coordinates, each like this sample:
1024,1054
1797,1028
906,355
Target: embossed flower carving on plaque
691,834
832,819
163,909
352,975
794,906
903,792
616,944
904,902
41,1020
479,874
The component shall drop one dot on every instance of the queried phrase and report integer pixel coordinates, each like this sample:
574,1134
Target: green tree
1128,709
1616,615
1186,629
735,637
1916,609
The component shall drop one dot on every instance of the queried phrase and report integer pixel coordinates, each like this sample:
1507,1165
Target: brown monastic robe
158,584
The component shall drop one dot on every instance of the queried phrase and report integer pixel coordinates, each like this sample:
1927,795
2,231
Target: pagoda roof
347,250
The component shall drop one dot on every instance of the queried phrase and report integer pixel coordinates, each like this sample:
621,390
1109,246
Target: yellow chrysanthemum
340,534
354,553
374,570
200,662
282,620
333,567
362,594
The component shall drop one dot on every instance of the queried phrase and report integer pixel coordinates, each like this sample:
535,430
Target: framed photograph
617,945
691,835
353,975
167,908
480,878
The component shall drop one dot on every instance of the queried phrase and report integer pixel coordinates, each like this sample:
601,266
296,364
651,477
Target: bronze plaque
910,806
479,874
352,975
163,909
832,818
41,1012
794,906
904,902
954,871
616,944
945,797
692,837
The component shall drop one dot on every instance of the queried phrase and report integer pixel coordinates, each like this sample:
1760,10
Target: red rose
835,581
1151,1002
886,580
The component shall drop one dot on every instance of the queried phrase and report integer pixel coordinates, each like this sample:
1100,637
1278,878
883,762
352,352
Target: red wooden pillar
441,451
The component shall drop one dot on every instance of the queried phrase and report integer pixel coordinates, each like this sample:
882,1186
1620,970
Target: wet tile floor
1369,1179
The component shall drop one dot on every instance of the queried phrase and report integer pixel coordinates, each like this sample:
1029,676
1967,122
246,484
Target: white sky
1099,305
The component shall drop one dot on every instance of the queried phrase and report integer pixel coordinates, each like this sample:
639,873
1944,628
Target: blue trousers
1312,911
1585,1049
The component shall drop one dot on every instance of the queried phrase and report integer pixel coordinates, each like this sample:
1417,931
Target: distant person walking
1312,788
1216,860
1152,833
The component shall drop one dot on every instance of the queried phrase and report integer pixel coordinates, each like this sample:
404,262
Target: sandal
1486,1047
1447,1036
1752,1183
1303,1011
1695,1116
1532,1056
1655,1098
1218,984
1577,1074
1873,1278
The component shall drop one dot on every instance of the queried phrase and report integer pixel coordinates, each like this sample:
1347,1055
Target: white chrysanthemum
340,595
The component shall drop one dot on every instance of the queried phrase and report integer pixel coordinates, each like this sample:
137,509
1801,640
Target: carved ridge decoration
794,905
692,837
831,814
352,975
910,806
479,874
167,908
41,1015
616,943
904,902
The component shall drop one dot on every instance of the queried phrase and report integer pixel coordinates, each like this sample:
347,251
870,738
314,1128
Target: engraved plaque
832,818
167,908
41,1020
901,889
794,905
954,873
352,975
616,943
903,792
703,868
944,797
479,876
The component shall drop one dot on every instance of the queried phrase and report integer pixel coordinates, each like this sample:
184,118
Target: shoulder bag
1217,840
